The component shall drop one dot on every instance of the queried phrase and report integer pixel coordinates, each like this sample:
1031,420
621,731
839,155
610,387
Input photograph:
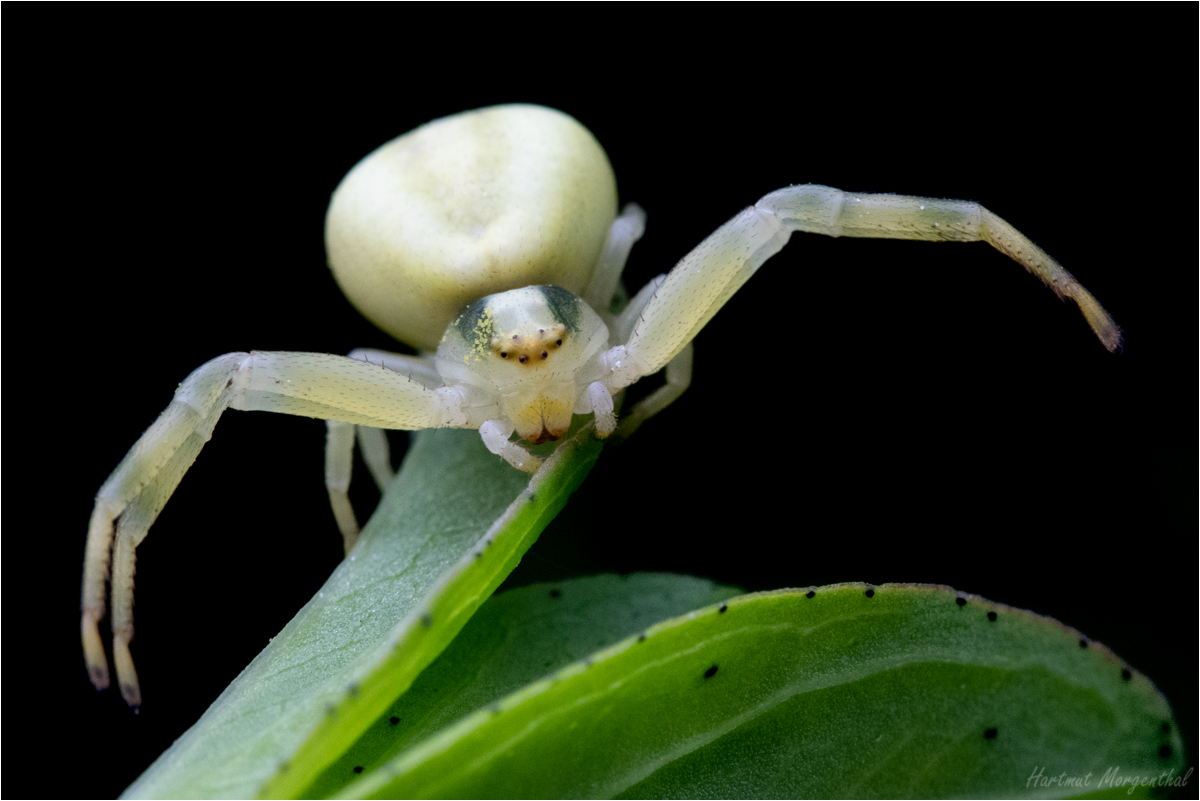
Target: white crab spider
490,236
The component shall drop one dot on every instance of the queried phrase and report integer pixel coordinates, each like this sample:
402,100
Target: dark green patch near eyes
475,323
563,305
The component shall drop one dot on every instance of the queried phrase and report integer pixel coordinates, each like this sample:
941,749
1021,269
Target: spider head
526,347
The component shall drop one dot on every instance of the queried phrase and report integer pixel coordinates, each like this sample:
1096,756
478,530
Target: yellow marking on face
479,336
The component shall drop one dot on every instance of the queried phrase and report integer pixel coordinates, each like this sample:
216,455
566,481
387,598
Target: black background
862,410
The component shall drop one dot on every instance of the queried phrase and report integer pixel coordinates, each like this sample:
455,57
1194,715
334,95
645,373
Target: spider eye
559,342
523,358
503,354
544,354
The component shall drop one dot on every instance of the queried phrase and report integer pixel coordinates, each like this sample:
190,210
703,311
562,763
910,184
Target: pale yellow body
493,237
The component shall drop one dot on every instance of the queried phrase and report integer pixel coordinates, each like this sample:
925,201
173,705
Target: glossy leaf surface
896,690
515,639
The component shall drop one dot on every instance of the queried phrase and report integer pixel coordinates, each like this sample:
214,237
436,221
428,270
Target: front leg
678,371
707,277
824,210
306,384
675,307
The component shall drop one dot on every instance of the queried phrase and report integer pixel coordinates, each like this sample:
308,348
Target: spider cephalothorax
525,351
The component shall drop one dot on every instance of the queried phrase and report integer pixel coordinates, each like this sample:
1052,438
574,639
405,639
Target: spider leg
495,434
625,231
306,384
824,210
679,378
682,302
678,370
706,278
340,439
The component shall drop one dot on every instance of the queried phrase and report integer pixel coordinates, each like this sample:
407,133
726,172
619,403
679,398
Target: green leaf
897,690
453,525
516,638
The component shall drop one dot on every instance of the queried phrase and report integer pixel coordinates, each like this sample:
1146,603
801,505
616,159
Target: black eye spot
1082,642
558,342
712,671
555,593
523,358
358,768
503,354
1164,750
1125,674
810,594
960,601
723,608
544,354
869,593
515,336
990,734
992,616
393,720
